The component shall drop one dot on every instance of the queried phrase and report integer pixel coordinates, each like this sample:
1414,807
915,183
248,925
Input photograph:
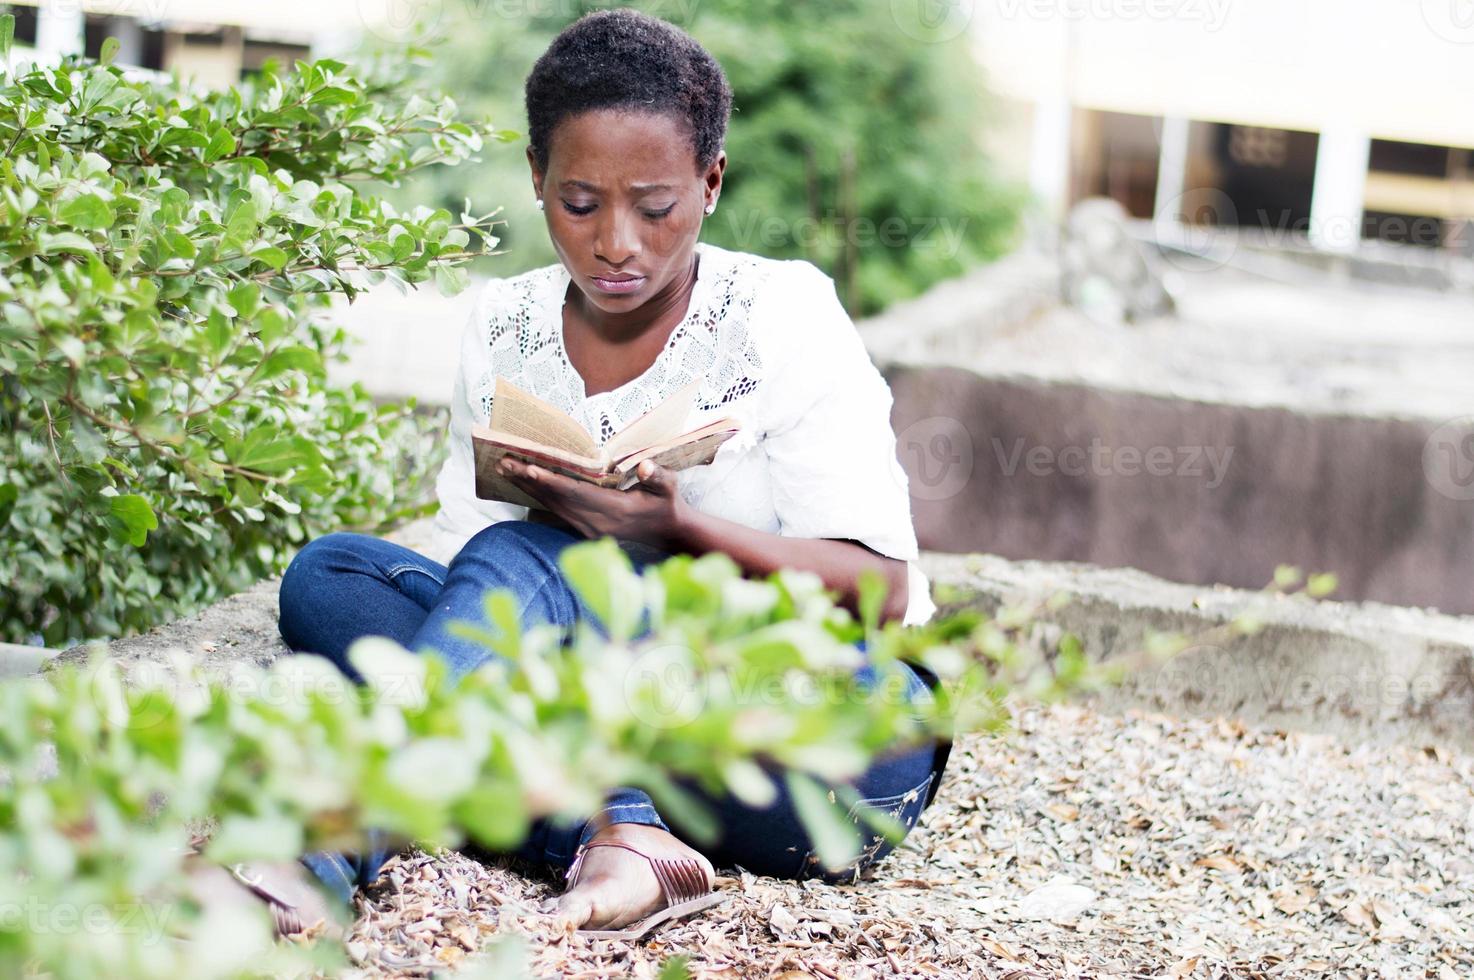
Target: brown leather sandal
683,887
298,909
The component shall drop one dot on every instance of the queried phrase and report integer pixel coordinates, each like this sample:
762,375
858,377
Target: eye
657,215
571,209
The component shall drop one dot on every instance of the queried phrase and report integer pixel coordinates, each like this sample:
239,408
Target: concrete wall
1190,491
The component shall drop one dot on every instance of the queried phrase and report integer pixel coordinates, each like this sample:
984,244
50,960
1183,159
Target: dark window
25,24
1419,159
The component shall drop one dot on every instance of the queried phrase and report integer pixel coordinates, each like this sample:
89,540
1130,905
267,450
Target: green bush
737,681
168,258
854,140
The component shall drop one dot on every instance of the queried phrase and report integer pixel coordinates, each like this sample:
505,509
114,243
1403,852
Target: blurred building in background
215,42
1299,120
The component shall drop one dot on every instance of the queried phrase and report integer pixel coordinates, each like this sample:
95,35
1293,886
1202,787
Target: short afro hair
624,59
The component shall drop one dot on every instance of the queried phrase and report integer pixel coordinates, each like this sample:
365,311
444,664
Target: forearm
838,564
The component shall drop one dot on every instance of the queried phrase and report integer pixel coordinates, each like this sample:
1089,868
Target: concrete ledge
17,660
1366,671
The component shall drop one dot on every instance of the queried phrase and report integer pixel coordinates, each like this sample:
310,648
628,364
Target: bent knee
302,584
522,537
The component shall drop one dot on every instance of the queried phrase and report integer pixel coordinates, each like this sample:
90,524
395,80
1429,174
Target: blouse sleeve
462,514
830,446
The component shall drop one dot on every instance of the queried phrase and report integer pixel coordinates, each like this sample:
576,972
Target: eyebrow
639,188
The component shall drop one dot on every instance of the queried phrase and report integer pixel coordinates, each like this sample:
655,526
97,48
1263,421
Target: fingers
656,477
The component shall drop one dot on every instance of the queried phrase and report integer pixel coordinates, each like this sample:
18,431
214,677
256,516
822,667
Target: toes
575,909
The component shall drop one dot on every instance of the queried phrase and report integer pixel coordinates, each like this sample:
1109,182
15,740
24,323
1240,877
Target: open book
530,429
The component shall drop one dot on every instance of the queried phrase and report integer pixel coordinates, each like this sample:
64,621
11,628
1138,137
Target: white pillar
1338,201
59,27
1172,168
1049,154
130,39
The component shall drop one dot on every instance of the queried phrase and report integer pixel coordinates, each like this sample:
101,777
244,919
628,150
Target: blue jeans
343,586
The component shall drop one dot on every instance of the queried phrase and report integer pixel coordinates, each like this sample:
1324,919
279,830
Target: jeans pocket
904,808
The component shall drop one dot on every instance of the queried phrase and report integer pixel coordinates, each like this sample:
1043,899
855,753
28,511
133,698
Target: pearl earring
711,207
539,204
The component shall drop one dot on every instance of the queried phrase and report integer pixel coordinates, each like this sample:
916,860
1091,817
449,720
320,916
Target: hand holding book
526,428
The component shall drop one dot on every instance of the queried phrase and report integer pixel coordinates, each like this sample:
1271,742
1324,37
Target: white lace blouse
815,457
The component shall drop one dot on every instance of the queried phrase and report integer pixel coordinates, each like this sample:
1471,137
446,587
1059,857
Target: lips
623,283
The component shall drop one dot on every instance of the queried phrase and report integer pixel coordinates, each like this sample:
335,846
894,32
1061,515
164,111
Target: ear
537,175
712,179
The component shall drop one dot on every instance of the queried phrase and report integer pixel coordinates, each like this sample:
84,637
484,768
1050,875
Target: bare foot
616,887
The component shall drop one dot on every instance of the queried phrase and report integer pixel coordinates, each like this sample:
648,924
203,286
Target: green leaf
289,359
245,838
334,95
65,241
87,211
872,589
246,298
222,144
273,453
1286,576
109,50
1321,584
136,515
274,257
8,496
493,814
7,34
451,280
242,225
272,324
184,136
218,332
675,968
601,573
834,836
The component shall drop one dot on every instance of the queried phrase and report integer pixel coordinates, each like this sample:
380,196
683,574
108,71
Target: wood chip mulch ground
1084,845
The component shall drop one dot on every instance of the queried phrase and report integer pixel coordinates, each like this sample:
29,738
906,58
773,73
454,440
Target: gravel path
1086,845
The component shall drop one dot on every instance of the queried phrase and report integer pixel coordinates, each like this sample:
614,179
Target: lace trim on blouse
524,338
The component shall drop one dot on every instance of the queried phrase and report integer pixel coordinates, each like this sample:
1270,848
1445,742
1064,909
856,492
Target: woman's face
623,199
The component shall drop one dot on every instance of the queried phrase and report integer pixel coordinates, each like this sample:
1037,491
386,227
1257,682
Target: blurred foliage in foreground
736,683
167,430
854,139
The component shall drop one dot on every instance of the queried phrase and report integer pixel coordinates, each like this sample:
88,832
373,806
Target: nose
614,240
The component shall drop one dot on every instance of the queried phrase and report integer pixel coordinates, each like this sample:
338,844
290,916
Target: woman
627,117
